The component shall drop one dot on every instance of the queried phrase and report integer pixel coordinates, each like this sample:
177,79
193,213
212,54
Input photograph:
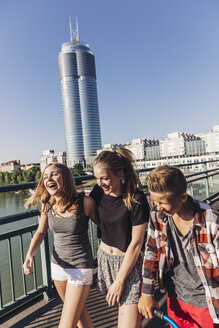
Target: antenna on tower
77,31
74,34
71,32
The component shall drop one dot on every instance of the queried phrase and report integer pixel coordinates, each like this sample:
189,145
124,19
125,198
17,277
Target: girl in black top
123,212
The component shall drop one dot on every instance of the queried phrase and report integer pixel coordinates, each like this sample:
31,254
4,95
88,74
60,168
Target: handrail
18,186
181,165
18,232
19,216
199,173
201,178
212,197
32,185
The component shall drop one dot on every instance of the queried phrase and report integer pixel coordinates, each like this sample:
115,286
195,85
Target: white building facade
176,148
10,166
50,156
211,139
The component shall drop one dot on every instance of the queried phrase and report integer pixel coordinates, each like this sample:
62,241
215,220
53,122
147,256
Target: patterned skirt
108,268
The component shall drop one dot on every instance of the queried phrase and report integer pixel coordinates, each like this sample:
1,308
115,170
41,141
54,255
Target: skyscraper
79,100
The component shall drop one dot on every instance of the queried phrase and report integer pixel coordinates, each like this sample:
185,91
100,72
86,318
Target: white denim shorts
76,277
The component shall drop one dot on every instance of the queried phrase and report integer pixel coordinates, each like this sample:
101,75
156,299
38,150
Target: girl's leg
75,298
85,320
129,316
60,287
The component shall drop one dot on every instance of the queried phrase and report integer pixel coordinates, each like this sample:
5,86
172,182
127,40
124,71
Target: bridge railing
16,240
41,280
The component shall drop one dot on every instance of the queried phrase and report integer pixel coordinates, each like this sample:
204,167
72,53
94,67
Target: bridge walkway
46,314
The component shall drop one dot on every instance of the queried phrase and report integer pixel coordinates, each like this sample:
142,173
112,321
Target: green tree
7,178
38,175
24,176
20,176
2,178
14,176
31,174
77,170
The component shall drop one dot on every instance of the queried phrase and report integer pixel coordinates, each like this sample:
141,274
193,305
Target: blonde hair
121,159
167,179
69,198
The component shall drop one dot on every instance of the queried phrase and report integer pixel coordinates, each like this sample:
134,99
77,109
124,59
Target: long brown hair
69,197
115,161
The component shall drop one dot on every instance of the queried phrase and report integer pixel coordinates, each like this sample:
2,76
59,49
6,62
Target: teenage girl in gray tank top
66,213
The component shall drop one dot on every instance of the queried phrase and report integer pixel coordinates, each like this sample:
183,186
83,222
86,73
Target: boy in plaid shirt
182,249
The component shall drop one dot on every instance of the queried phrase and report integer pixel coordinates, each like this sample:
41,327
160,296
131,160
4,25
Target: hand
146,305
28,264
114,293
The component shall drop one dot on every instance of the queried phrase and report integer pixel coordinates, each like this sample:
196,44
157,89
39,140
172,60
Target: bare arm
35,243
131,256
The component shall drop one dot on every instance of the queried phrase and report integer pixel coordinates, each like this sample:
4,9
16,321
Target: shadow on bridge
46,314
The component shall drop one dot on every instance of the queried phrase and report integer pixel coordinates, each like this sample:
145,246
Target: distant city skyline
215,128
156,61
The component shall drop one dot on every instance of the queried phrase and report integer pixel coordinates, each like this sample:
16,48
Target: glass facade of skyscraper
80,104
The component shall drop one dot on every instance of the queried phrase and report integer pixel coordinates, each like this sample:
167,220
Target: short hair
167,179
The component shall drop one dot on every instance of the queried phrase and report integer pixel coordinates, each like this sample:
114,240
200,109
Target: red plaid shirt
204,244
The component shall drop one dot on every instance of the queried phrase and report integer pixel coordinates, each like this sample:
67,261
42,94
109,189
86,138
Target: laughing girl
123,212
66,213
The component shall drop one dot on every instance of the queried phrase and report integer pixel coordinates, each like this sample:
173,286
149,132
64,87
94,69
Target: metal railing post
11,269
92,237
1,301
46,267
191,190
206,180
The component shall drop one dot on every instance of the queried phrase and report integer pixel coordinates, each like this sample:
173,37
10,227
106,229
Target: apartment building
10,166
50,156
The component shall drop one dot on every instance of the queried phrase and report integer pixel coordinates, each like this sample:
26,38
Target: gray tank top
183,281
71,248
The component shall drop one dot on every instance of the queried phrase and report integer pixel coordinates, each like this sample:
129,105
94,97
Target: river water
12,203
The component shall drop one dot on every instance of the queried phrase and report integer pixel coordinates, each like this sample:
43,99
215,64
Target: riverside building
77,75
10,166
178,144
50,156
211,139
176,148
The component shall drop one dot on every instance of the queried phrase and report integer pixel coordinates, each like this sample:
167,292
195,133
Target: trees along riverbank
20,176
31,175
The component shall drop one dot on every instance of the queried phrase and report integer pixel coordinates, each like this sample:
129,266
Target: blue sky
157,64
